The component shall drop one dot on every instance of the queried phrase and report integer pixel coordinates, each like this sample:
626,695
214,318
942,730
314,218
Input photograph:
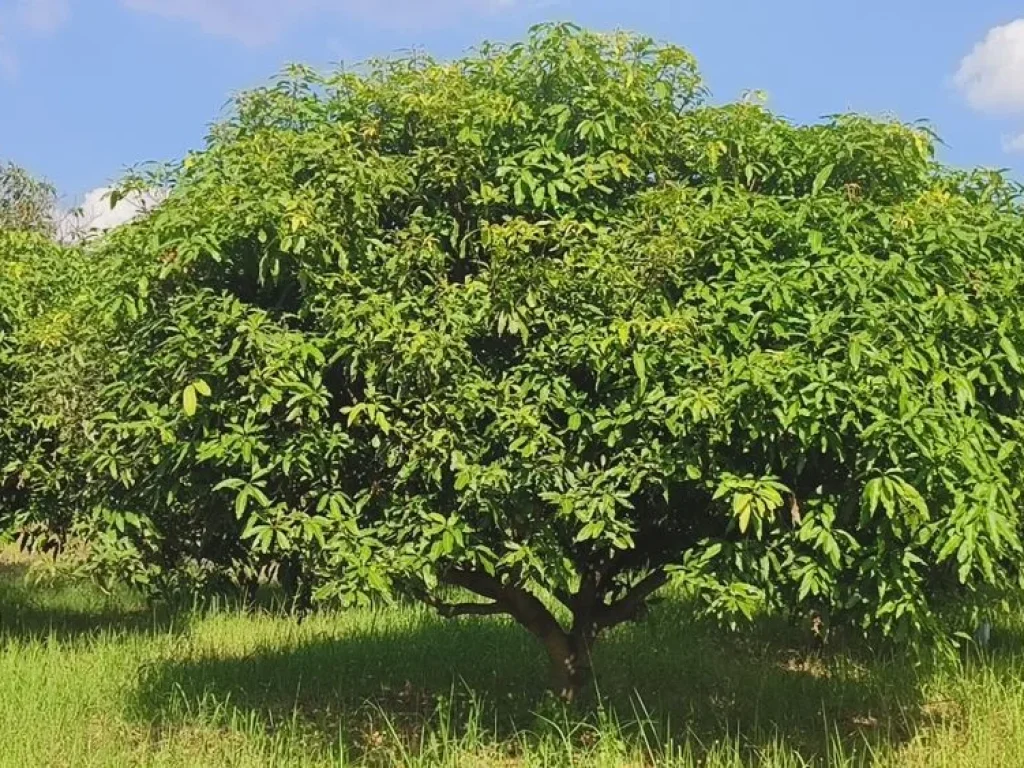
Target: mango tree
45,330
541,327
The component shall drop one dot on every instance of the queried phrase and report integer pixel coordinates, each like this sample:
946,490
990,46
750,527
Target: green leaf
241,501
742,507
640,366
822,178
1011,353
188,400
591,530
855,351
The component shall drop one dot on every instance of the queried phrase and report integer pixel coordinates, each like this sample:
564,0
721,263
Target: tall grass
94,680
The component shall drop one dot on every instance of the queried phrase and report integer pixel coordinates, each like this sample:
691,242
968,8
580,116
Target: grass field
88,680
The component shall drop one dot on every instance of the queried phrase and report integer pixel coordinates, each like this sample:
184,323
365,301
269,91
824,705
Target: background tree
26,203
42,378
51,320
539,326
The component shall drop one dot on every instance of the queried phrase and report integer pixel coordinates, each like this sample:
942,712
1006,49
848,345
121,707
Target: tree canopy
37,277
541,326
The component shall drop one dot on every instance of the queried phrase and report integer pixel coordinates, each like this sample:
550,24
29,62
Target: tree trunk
571,671
298,590
568,652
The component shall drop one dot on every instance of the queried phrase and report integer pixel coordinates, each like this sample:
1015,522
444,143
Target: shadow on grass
688,677
68,609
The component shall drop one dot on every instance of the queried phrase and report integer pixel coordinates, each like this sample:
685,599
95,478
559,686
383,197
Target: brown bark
571,670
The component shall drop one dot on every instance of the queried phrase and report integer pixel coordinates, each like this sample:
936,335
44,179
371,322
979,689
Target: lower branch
450,610
479,583
627,608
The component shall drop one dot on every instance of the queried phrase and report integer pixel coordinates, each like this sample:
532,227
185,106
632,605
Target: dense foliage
26,203
540,325
40,346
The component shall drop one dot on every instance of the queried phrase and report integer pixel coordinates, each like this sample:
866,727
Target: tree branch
627,607
585,599
450,610
478,583
516,601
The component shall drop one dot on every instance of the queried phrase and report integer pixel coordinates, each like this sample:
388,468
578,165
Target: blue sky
88,87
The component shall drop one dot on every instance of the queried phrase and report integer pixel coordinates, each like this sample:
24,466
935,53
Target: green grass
87,680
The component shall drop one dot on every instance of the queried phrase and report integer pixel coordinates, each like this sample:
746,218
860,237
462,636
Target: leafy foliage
540,325
40,362
26,203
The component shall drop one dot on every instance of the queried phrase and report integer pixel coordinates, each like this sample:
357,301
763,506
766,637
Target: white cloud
95,215
1014,143
43,16
992,75
256,22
